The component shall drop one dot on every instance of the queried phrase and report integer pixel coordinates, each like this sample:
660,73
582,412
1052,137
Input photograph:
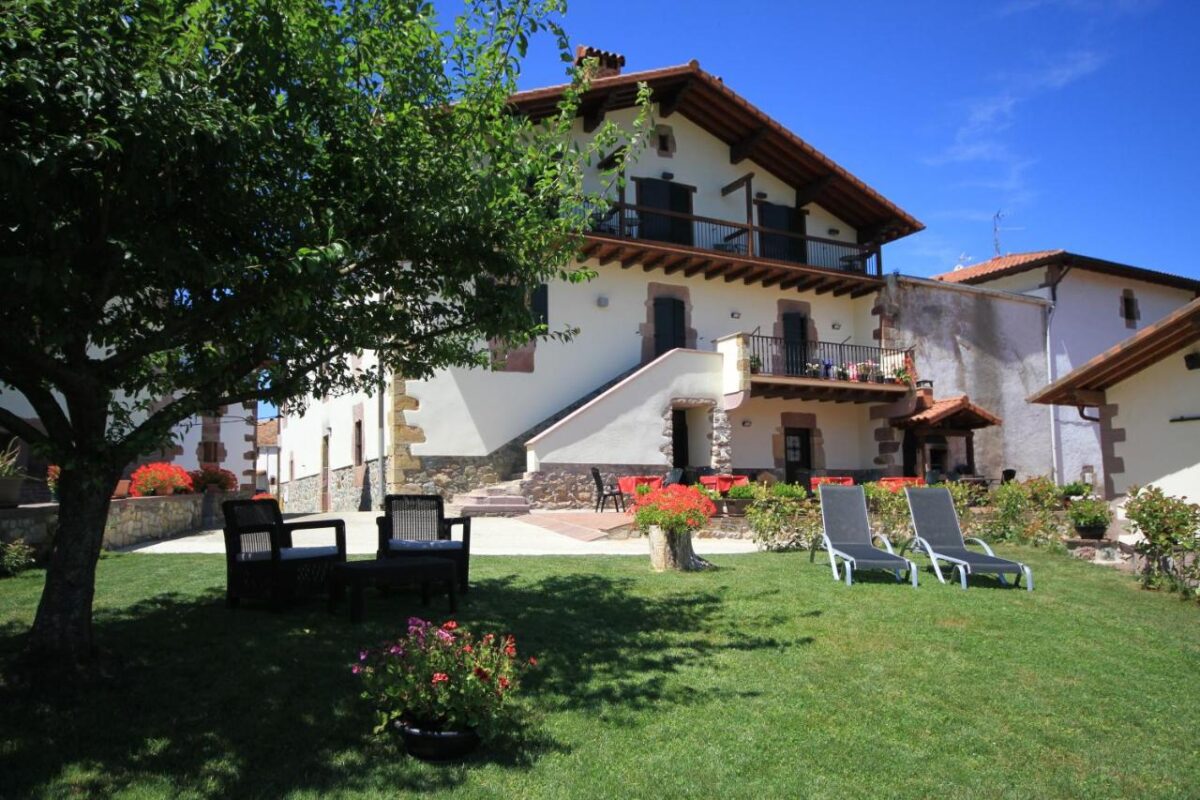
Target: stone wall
302,495
130,521
560,486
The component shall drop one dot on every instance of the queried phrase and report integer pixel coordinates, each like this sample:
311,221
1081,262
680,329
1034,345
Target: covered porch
939,436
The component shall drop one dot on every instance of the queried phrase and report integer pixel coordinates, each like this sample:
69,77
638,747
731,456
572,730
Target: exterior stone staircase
503,499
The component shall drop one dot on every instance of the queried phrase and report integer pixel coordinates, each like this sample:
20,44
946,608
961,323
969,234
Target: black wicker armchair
416,526
260,559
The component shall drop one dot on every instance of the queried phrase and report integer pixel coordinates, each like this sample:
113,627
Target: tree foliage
208,202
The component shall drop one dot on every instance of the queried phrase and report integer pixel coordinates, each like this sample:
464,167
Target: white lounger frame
963,567
848,563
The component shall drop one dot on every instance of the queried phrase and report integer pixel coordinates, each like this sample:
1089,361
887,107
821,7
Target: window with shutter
674,197
795,342
780,246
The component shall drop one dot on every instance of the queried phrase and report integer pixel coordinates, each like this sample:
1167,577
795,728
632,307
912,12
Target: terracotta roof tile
1001,265
268,433
944,409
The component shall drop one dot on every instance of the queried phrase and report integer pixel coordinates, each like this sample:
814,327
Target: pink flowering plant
442,678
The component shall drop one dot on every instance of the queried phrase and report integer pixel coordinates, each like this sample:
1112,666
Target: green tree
214,202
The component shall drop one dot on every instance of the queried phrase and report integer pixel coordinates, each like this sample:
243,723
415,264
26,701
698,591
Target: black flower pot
433,745
1091,531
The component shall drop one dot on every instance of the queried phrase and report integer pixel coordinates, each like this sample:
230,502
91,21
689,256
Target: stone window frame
646,329
806,421
792,307
720,431
518,359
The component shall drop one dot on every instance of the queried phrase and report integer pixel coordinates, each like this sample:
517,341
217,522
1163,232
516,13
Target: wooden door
674,197
797,455
795,343
779,245
670,325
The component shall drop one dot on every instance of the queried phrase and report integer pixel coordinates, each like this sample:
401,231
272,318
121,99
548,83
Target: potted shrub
755,365
901,375
842,373
864,370
1090,516
815,370
11,477
159,478
669,515
213,478
736,500
441,688
1073,491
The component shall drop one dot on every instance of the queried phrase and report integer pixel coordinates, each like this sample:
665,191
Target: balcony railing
770,355
735,238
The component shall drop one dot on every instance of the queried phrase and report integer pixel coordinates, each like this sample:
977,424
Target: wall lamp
834,231
746,423
837,326
735,315
667,176
601,302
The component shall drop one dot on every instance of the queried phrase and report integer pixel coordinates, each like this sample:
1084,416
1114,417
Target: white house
1144,394
1096,304
225,439
740,320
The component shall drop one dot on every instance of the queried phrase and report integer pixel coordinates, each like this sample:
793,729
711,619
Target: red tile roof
268,433
944,410
1085,385
1014,263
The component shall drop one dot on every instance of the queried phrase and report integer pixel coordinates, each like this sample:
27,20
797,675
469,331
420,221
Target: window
781,246
670,329
540,304
672,197
358,443
664,139
1129,308
210,452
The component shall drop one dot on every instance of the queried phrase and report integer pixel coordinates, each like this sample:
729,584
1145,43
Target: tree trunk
62,629
673,550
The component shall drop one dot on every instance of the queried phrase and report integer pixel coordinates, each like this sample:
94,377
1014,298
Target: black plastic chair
673,477
416,526
604,493
1008,475
260,559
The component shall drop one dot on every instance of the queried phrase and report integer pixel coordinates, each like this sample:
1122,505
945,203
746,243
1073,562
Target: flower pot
1091,531
434,745
879,379
736,507
864,378
10,491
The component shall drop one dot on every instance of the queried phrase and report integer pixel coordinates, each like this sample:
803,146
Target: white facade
1156,451
1086,320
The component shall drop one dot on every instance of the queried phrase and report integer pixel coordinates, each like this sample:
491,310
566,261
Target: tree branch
15,425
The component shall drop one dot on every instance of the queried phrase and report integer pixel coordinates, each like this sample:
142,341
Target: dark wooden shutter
795,342
655,193
669,329
797,454
779,246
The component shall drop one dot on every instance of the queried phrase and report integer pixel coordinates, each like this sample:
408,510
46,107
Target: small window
209,453
358,443
540,304
1129,309
664,140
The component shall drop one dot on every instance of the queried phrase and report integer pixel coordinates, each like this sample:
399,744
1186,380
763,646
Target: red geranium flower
440,677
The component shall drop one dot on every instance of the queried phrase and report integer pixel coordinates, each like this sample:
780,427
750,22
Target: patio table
629,483
723,482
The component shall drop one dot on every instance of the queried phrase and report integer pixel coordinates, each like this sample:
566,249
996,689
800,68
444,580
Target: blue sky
1077,119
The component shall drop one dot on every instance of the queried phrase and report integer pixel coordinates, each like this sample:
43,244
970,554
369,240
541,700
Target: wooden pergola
951,417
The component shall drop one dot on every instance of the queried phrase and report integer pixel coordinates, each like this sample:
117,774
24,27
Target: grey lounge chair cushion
936,522
424,544
844,515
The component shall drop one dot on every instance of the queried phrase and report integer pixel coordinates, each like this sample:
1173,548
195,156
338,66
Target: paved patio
537,534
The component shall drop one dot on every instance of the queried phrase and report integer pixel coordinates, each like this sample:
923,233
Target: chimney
608,64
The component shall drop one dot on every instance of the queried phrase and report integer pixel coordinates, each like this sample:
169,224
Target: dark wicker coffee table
358,575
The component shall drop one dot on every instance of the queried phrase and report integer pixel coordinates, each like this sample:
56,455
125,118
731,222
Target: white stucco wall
472,412
1155,451
300,433
844,427
1086,321
624,425
702,160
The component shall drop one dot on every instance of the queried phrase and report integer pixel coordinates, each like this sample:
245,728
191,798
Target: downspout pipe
382,423
1052,284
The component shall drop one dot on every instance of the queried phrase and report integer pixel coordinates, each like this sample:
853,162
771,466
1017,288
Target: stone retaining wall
130,521
559,486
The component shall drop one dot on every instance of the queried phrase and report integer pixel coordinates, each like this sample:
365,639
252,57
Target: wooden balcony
735,251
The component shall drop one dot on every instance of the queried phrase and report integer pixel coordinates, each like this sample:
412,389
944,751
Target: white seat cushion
290,553
423,544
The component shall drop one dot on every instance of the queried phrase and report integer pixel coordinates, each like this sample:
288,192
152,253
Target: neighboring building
738,274
267,461
1146,393
1095,304
225,439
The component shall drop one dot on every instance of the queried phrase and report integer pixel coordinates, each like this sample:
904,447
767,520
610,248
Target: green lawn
763,679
